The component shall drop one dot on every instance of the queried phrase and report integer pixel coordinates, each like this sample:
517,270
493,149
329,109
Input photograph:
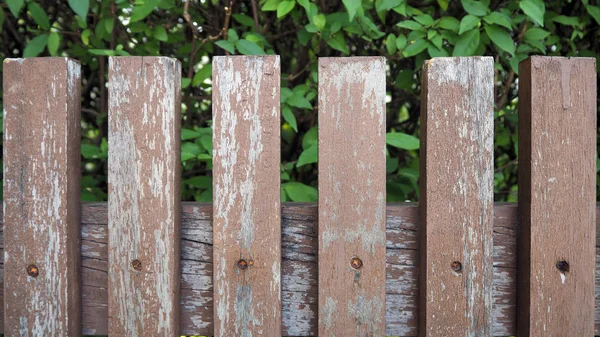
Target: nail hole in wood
563,266
456,266
32,270
243,264
136,265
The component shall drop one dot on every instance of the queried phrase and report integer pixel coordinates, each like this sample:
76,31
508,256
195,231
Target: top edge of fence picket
20,60
244,56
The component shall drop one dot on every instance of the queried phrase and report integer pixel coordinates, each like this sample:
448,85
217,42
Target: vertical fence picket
352,196
246,207
557,196
457,195
144,196
41,189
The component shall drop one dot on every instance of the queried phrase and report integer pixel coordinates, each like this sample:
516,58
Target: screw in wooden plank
456,266
136,264
250,263
243,264
356,263
32,270
563,266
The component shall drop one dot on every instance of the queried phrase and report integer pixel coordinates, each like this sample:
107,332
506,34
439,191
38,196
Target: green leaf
15,6
566,20
299,101
160,33
467,43
232,35
270,5
402,141
499,19
594,11
310,138
425,20
202,74
189,150
80,7
308,156
85,36
353,6
409,24
473,7
243,19
199,182
289,117
443,4
386,5
230,47
102,52
534,11
449,23
89,151
53,43
185,82
536,34
338,42
415,48
36,46
405,79
501,38
206,142
187,134
390,44
319,21
39,15
285,7
467,23
140,12
247,47
400,42
109,24
299,192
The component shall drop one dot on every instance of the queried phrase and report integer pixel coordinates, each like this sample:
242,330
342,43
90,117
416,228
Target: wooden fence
146,264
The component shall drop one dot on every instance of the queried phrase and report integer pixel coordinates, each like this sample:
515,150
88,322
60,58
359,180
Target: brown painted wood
41,197
299,269
457,195
352,196
247,223
557,196
144,196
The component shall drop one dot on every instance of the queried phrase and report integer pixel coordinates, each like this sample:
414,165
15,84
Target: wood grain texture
557,196
144,196
299,269
457,196
41,196
247,223
352,196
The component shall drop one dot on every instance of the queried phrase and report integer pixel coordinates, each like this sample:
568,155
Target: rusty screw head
136,264
250,263
32,270
456,266
243,264
563,266
356,263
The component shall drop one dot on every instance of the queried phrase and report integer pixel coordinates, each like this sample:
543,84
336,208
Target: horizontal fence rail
146,264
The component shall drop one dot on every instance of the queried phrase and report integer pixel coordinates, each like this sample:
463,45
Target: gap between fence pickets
299,265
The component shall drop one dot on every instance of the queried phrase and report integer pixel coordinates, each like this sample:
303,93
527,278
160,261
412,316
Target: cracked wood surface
351,196
247,223
41,188
457,196
557,193
144,195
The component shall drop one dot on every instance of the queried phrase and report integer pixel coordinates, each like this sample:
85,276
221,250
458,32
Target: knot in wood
136,265
32,270
356,263
563,266
456,266
243,264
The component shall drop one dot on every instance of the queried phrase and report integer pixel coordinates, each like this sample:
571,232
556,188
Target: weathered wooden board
144,195
457,196
299,269
352,196
41,197
247,223
557,196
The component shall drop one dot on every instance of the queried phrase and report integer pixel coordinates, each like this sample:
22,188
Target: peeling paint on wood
41,204
557,195
352,196
299,269
247,224
144,195
457,163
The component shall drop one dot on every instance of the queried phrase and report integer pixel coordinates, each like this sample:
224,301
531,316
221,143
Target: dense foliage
405,31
